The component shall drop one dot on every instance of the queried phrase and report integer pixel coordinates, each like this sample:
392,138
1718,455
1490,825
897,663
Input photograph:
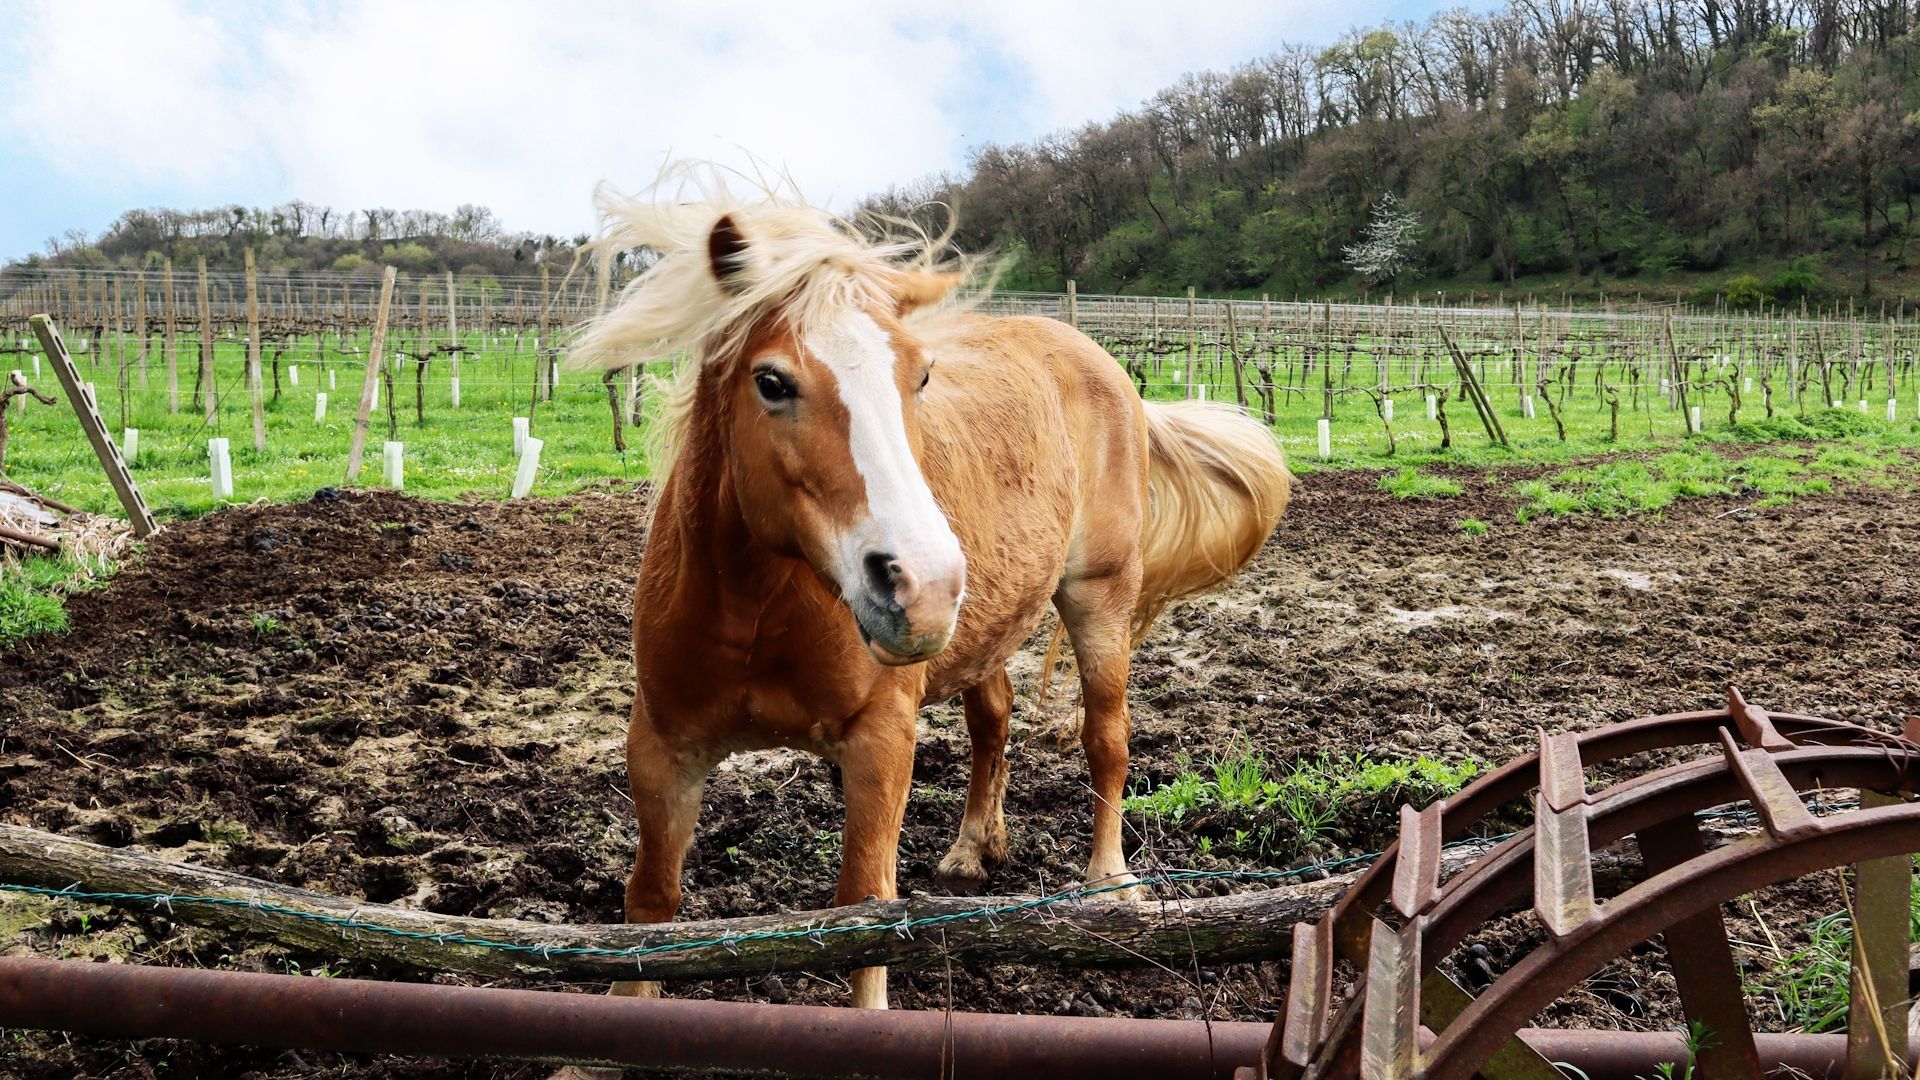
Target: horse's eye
927,378
773,386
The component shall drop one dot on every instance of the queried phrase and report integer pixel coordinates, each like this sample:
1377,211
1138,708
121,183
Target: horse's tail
1217,483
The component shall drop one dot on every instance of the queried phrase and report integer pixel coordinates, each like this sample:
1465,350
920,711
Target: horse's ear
922,288
727,254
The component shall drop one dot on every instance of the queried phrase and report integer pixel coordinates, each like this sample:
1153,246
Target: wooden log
29,539
1069,933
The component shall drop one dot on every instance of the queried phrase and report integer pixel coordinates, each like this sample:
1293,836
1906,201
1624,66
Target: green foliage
1745,291
1251,808
1473,526
1808,988
1798,281
1411,483
33,592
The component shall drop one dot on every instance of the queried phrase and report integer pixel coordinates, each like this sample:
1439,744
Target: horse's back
1029,428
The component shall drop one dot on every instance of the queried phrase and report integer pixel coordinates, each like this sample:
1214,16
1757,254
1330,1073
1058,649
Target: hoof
962,871
1121,886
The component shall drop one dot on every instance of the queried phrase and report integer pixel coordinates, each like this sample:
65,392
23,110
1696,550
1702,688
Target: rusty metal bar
1390,1037
1704,970
125,1001
1303,1023
1646,909
1562,782
1774,799
1562,869
1416,878
1756,727
1353,915
1626,1055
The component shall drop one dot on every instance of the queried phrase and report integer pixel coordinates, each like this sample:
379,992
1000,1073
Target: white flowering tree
1389,243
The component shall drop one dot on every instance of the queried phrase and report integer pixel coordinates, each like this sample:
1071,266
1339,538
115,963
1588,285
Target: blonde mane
800,261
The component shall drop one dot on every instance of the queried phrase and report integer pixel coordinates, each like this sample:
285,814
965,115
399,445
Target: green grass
1808,987
33,594
453,454
1245,804
1473,526
1630,485
1411,483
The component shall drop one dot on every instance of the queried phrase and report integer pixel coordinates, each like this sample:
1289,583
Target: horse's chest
773,692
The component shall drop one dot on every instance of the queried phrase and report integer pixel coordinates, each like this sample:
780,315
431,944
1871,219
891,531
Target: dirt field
424,703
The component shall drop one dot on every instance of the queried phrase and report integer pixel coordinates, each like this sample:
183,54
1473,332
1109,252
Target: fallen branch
1067,933
1062,933
27,539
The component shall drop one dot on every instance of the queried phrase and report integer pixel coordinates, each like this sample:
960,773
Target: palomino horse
870,503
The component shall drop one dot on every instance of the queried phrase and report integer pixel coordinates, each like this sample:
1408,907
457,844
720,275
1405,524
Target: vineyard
168,355
417,708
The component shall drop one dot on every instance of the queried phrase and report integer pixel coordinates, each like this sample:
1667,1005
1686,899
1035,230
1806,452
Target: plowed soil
424,703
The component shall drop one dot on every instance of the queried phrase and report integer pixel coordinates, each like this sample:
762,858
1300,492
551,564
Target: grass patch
1241,803
1809,986
1411,483
1629,486
1473,526
33,594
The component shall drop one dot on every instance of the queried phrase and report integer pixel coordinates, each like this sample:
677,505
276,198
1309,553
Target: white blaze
904,520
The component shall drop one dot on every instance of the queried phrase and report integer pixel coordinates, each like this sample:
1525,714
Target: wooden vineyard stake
255,390
453,342
203,385
96,429
1474,393
370,383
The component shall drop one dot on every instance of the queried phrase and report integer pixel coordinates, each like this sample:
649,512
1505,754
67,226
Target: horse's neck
723,578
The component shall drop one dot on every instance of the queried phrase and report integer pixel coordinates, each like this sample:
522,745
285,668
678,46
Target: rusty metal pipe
364,1016
1624,1055
124,1001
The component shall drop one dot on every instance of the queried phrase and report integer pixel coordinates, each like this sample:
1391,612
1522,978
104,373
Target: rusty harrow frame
1399,922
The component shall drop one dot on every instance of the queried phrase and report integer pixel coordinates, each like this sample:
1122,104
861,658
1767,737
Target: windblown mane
801,261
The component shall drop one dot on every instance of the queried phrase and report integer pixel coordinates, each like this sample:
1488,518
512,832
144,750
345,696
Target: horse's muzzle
906,615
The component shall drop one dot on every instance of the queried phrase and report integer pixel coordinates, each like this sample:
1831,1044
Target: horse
867,496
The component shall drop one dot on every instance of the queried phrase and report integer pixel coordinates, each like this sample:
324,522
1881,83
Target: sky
524,106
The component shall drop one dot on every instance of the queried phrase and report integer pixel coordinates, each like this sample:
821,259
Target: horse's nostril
881,572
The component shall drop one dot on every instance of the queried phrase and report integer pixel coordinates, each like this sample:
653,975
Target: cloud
525,106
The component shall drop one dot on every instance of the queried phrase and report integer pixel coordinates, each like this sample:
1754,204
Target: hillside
1614,145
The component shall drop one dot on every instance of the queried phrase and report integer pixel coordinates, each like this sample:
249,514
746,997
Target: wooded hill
299,236
1594,141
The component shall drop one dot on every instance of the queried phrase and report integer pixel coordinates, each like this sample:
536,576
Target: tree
1389,243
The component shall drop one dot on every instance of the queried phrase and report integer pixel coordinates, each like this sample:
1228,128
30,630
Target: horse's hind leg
983,829
1096,611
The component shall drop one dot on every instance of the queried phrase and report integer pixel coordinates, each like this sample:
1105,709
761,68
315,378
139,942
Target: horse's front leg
666,779
876,769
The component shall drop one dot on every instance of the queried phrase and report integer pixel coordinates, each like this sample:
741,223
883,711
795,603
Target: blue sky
106,106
